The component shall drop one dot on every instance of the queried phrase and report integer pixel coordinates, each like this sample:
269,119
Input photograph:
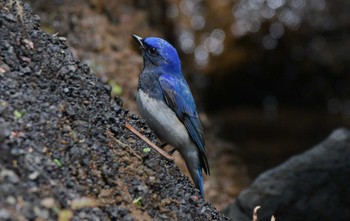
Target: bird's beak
138,39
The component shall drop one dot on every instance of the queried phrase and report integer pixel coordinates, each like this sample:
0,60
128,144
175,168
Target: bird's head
158,53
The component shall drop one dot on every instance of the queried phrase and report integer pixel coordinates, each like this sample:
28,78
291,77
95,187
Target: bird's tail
196,174
200,181
194,165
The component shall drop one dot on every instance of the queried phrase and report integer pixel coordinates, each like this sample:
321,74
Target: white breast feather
163,121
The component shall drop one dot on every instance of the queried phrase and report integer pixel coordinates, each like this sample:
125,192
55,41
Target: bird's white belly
163,121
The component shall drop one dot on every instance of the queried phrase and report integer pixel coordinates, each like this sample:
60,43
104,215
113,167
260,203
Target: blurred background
270,77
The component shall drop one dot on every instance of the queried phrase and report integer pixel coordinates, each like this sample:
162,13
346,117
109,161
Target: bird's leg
172,151
164,145
159,150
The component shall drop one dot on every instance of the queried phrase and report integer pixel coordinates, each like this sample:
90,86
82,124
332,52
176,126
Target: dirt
65,153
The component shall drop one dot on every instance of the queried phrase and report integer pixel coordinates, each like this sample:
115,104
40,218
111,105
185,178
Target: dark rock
312,186
108,88
10,17
4,131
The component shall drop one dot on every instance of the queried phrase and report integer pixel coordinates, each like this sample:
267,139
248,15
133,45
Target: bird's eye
152,51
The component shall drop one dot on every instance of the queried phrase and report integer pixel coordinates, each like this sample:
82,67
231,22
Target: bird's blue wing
179,98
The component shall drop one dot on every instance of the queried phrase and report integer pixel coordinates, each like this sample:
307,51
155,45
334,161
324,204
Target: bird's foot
150,143
172,151
164,145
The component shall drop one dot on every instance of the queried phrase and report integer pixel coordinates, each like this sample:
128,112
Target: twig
162,152
124,145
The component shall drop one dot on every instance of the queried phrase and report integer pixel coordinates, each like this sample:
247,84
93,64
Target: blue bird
165,101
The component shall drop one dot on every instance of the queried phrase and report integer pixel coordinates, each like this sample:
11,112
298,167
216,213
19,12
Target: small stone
26,70
116,108
4,131
71,68
10,17
10,175
4,215
4,68
3,105
70,111
34,175
41,212
48,202
107,87
11,200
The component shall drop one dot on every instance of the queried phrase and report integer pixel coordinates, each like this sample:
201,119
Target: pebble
4,131
10,17
9,175
4,214
11,200
44,214
34,175
62,39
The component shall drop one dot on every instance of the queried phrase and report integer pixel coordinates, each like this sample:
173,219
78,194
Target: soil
65,153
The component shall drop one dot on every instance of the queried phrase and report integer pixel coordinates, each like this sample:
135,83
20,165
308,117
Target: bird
165,101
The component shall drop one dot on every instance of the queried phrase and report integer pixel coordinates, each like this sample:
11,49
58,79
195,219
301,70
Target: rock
8,174
4,131
311,186
4,214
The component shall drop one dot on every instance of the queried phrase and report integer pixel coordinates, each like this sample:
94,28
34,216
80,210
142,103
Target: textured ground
64,149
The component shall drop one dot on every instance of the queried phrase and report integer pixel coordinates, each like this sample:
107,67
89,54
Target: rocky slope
65,152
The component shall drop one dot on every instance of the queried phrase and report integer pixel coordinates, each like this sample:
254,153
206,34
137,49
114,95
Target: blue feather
200,181
179,98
